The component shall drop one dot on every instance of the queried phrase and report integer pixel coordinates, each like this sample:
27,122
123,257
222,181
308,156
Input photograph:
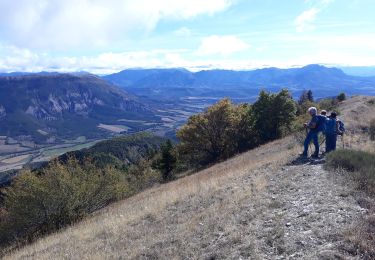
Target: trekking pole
322,142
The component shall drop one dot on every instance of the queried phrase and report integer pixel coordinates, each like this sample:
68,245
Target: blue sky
104,36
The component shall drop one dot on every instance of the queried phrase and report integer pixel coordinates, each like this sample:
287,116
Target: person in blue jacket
316,125
332,130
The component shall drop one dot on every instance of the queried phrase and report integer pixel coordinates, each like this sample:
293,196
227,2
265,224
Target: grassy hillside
121,151
263,204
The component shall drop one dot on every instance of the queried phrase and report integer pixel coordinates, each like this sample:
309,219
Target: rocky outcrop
67,104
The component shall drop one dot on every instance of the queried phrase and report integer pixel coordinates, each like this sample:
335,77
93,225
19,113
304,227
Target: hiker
316,125
332,130
323,113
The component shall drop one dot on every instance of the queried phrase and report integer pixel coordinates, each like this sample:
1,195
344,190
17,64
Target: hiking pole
322,142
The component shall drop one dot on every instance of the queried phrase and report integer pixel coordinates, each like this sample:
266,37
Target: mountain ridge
177,83
76,103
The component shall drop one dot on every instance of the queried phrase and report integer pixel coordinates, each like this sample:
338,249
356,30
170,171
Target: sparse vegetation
360,164
372,129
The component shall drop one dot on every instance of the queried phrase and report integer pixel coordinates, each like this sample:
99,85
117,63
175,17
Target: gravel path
299,211
310,211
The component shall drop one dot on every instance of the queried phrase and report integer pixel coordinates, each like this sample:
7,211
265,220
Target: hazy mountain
176,83
361,71
63,106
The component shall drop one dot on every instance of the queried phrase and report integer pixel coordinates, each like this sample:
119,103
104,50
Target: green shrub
166,162
372,129
55,196
273,115
360,164
210,136
371,102
328,104
341,97
226,129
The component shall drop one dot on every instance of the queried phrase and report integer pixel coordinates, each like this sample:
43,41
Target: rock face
65,103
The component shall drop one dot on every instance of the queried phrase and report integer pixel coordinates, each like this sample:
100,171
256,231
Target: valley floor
258,205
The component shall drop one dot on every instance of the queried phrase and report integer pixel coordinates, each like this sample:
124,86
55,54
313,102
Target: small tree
208,137
167,162
310,96
273,114
303,98
341,97
306,96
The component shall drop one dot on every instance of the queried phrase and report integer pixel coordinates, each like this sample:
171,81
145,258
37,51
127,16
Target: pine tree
167,162
310,96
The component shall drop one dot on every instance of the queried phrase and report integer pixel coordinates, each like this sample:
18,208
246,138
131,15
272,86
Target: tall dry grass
83,240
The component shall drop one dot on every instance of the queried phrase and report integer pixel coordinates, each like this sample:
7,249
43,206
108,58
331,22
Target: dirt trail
310,209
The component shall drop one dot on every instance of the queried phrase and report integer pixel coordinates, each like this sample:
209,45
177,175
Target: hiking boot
303,155
315,156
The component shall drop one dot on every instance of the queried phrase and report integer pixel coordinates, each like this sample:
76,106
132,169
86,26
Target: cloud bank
62,25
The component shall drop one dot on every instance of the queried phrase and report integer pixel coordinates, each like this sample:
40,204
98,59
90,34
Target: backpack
331,126
341,127
321,123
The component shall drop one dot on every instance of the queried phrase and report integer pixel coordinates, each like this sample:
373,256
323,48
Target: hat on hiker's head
312,110
333,115
323,112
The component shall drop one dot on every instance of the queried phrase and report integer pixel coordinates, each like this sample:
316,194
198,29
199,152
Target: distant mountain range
52,107
359,71
172,84
45,107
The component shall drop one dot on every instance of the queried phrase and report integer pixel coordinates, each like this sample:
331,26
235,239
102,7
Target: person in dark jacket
332,130
312,133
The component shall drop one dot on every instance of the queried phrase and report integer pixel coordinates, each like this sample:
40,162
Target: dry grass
357,114
125,222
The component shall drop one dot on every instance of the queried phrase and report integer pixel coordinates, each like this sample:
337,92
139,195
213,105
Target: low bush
372,129
360,164
53,197
341,97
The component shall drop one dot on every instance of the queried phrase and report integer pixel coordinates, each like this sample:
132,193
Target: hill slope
262,204
49,106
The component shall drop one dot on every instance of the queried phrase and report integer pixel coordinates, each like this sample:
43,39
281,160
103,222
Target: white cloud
56,24
349,49
182,32
305,20
222,45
